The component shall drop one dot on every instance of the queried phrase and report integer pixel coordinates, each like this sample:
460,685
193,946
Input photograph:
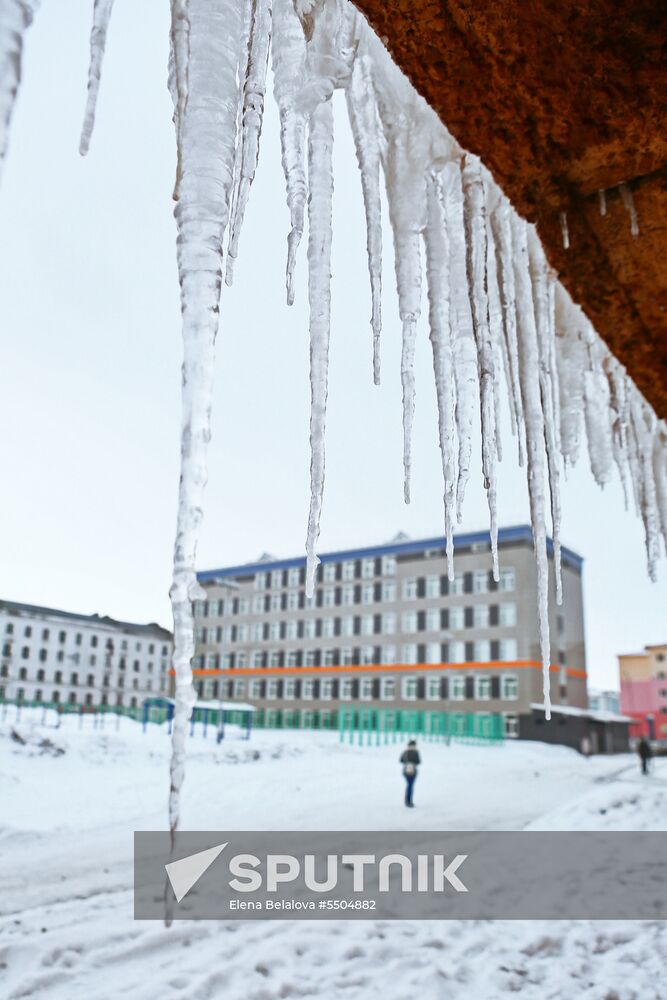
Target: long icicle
17,16
288,53
541,298
253,113
534,419
98,38
437,272
502,231
362,112
463,340
474,214
320,179
206,133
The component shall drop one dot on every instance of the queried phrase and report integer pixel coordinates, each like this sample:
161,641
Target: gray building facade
386,628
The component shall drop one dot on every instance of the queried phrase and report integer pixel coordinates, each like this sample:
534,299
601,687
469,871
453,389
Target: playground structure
354,723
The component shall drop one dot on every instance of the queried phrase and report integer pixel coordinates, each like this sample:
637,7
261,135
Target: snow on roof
599,715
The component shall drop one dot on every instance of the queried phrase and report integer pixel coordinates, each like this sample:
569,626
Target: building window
348,595
388,655
326,689
311,658
256,659
388,565
366,688
346,689
274,631
45,634
329,598
410,589
255,689
507,614
410,653
292,658
276,602
368,569
511,723
347,657
456,586
457,651
432,586
27,631
292,630
482,650
328,628
388,688
348,570
367,655
274,658
483,688
508,649
433,620
457,688
329,657
409,621
293,577
292,600
480,581
433,652
389,591
289,688
307,689
367,625
507,579
367,593
456,617
329,572
309,628
409,688
433,688
347,626
389,623
480,615
509,687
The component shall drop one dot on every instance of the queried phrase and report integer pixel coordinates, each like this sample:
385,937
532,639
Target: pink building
644,691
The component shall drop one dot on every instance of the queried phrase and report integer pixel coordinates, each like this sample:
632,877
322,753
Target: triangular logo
184,873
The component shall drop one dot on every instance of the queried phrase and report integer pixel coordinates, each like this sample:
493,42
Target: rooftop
517,535
35,610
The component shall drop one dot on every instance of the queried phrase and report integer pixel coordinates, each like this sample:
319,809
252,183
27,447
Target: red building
644,691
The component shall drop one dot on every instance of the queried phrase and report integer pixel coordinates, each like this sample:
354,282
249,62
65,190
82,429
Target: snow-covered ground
67,820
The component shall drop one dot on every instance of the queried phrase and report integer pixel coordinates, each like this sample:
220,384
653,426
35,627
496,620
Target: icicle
463,339
253,112
16,18
534,420
619,420
206,133
643,423
288,61
596,412
437,270
496,330
564,230
98,37
477,285
602,198
541,297
362,112
660,475
244,58
500,222
629,202
320,179
178,74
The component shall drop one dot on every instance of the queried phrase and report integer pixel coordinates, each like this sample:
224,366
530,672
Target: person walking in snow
644,751
410,760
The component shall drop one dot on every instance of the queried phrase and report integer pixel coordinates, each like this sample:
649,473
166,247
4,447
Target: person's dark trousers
409,782
644,765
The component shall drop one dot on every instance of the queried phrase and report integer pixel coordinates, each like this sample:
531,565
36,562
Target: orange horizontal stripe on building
379,668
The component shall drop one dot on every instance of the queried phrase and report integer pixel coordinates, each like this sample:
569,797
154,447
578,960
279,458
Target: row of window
459,723
481,651
63,636
456,688
72,698
44,655
349,569
412,588
429,620
91,680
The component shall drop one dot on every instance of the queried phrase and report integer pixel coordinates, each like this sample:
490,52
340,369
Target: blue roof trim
519,533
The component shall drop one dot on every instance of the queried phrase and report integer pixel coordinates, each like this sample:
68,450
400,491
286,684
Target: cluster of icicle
498,316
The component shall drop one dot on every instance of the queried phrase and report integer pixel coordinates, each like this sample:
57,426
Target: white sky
90,384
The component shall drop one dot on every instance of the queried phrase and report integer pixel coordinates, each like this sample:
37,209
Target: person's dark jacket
644,750
410,756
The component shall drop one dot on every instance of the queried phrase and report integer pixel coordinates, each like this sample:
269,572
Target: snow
493,303
68,819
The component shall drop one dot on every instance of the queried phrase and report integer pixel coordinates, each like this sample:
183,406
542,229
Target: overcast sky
90,382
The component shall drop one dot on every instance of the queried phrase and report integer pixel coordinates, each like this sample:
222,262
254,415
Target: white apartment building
57,657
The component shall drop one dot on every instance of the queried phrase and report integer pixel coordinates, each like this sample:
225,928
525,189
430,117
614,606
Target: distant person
410,760
644,751
586,746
